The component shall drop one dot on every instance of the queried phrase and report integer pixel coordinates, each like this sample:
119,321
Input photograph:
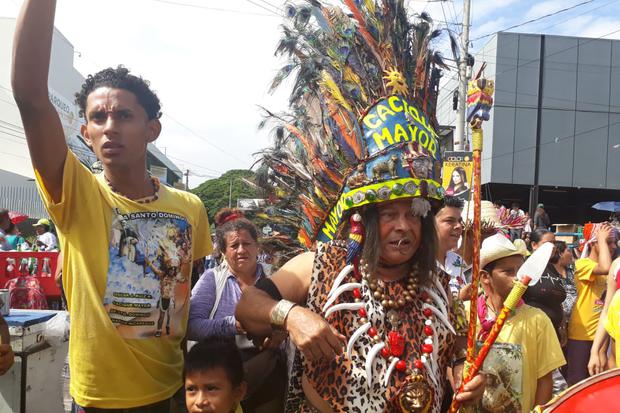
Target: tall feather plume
372,45
327,81
337,62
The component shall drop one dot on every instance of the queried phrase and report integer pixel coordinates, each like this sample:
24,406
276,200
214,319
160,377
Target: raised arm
598,352
604,255
31,60
309,331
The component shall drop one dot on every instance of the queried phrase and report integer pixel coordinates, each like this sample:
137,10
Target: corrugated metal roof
154,150
24,199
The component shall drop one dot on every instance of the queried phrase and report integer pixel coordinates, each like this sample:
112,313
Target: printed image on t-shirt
149,272
504,379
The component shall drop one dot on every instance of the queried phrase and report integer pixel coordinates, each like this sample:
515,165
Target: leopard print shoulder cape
342,382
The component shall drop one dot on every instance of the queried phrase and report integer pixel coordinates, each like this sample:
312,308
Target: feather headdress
361,123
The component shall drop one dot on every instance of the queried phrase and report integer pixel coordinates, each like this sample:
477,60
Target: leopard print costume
342,382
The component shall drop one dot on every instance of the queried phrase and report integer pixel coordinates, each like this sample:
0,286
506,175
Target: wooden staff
475,274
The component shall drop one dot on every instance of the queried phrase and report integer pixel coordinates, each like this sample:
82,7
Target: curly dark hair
232,220
120,78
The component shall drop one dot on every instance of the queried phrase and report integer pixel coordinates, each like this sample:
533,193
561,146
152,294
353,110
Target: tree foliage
215,193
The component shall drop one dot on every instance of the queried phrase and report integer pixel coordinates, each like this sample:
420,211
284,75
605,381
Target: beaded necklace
395,343
414,392
145,200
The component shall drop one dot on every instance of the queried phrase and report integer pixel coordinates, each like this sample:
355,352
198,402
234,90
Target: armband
278,315
265,284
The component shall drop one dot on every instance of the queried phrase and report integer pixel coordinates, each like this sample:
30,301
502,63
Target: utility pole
230,195
186,179
460,136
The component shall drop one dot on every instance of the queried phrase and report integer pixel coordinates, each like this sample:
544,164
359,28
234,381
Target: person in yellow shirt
598,354
612,326
214,377
591,282
519,365
128,242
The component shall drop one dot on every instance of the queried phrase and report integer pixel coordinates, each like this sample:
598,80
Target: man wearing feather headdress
371,318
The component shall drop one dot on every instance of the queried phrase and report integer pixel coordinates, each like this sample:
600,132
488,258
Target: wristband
278,315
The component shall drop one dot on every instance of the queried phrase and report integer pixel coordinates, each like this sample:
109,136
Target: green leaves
215,193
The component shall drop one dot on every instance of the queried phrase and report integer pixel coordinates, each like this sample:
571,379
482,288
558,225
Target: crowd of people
11,238
373,319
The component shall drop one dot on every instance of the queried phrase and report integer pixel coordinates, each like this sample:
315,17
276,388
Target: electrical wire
263,7
535,19
196,6
202,138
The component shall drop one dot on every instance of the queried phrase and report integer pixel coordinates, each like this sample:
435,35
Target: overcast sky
211,64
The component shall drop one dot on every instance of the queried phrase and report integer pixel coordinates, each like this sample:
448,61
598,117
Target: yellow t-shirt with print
127,276
612,323
527,348
587,309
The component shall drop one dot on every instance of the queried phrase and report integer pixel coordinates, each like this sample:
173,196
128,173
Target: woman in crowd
540,236
214,300
46,240
563,262
14,238
548,294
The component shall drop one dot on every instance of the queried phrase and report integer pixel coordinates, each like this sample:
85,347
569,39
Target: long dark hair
463,175
560,247
423,259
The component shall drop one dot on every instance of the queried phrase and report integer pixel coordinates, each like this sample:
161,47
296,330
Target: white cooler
33,384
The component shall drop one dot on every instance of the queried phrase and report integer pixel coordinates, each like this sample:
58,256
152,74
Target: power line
202,138
534,20
577,15
263,7
196,6
277,8
195,165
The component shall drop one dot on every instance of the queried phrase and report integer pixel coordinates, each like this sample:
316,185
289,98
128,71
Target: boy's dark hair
120,78
453,202
212,353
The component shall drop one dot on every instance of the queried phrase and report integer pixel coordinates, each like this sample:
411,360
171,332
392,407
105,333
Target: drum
595,394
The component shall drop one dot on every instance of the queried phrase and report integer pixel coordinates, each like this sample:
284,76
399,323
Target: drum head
598,393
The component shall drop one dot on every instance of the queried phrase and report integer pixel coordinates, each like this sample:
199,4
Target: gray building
554,133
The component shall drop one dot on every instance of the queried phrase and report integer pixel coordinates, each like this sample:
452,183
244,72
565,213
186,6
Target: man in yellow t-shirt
591,282
519,365
612,325
128,242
